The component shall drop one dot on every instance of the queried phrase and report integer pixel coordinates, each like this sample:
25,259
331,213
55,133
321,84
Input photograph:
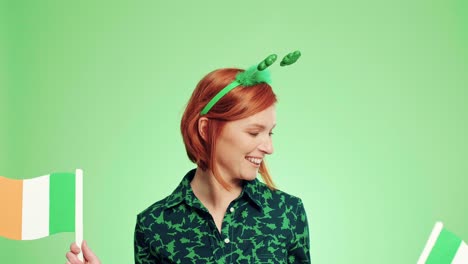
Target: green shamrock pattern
260,226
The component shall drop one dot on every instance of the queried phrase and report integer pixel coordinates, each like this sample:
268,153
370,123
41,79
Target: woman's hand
89,257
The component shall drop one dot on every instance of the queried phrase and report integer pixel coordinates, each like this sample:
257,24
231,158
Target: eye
271,134
253,134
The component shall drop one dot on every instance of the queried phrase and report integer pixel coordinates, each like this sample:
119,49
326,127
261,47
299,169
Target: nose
266,146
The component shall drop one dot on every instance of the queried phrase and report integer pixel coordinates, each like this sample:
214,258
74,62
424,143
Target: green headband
254,75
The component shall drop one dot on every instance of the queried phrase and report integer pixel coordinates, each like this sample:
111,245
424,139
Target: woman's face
243,144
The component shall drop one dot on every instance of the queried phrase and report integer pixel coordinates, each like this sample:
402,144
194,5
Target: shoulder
274,199
286,197
277,195
152,212
287,207
157,209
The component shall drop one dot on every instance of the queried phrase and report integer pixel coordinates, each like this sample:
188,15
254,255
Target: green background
372,120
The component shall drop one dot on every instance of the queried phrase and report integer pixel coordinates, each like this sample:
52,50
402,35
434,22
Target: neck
211,193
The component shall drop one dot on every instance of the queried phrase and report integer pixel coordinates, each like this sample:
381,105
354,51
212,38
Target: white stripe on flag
35,222
461,257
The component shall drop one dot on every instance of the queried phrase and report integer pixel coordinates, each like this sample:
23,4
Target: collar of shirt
183,193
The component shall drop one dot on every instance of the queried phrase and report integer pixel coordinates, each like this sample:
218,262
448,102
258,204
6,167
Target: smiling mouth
255,161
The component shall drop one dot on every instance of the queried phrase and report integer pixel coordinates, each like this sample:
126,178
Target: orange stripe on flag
11,203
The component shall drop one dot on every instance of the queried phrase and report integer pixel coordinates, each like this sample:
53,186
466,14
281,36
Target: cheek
244,145
236,144
227,150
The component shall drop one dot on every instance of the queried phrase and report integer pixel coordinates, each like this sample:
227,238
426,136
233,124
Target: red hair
239,103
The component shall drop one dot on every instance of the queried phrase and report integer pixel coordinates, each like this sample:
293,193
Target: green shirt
260,226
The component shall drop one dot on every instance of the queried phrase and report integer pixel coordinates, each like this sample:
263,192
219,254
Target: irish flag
42,206
443,247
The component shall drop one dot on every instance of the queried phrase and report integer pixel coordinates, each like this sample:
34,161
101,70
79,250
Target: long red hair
239,103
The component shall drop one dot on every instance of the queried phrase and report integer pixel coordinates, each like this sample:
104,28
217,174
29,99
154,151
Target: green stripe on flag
444,249
62,203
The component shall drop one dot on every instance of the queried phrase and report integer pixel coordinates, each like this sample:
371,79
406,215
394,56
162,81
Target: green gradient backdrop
372,121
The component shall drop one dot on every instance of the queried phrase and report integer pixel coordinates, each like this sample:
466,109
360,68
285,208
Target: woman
220,212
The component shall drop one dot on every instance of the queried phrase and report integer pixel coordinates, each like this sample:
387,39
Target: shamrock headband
254,75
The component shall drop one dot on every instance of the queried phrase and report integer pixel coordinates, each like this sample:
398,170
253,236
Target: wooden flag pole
430,243
79,210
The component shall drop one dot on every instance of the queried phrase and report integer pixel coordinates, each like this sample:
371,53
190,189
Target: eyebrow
260,126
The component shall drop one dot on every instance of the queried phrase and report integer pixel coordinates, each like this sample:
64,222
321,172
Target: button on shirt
260,226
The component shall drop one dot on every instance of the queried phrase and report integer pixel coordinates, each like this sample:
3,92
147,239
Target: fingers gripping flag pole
443,247
42,206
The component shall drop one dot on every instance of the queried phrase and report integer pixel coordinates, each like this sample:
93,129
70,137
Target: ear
203,127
